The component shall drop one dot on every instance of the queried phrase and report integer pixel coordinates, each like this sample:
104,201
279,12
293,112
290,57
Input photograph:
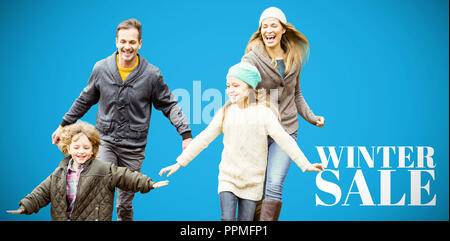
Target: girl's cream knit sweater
244,157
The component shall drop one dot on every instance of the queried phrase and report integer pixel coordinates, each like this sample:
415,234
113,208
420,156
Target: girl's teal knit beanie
245,72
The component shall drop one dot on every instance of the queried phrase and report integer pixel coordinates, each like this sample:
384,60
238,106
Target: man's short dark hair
130,23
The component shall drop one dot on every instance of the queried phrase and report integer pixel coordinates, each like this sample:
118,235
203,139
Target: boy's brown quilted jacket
95,194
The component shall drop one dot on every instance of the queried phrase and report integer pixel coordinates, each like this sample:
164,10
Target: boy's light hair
80,127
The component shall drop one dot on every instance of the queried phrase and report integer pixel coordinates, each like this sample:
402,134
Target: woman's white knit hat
273,12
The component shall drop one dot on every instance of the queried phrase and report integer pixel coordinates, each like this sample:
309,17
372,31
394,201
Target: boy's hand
18,211
317,167
171,169
160,184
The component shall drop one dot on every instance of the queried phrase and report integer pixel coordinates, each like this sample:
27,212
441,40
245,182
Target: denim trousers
278,163
228,204
131,158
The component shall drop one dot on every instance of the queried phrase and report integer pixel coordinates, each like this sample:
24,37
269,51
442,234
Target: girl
278,51
245,120
82,188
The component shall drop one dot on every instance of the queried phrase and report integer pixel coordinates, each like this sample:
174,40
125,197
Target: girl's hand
18,211
171,169
160,184
317,167
320,122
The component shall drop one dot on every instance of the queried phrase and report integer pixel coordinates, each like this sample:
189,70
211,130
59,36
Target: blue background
378,72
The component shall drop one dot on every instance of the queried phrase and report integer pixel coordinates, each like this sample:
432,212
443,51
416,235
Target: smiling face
271,32
128,44
237,89
80,149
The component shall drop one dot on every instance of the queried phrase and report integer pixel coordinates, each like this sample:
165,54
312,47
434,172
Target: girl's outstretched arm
315,167
287,144
200,142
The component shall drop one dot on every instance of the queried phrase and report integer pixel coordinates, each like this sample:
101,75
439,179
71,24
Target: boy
82,188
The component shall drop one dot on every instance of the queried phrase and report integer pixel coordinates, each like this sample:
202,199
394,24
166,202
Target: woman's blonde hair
255,97
294,44
74,130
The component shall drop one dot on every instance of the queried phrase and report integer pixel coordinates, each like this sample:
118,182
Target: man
125,85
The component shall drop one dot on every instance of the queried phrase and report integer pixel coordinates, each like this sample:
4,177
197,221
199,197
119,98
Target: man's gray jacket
125,107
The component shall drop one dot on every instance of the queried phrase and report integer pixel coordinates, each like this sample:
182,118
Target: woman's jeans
228,203
278,163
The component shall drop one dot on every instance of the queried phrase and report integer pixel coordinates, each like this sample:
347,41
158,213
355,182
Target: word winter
388,160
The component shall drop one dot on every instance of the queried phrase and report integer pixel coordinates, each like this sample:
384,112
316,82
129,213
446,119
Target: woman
278,51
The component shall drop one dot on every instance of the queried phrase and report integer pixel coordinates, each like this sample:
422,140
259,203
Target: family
259,125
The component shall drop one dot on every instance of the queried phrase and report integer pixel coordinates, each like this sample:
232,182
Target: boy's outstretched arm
128,180
18,211
37,199
161,184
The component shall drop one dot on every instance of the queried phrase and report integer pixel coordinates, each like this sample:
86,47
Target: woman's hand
171,169
160,184
316,167
320,122
18,211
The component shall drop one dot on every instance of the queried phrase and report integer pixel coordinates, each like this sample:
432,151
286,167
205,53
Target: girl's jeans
278,163
228,203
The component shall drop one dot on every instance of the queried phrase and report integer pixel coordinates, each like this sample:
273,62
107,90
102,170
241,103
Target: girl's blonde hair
74,130
255,97
294,44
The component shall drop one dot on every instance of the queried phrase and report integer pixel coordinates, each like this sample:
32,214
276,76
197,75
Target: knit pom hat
273,12
245,72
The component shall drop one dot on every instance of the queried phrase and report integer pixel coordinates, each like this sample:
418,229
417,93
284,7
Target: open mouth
127,53
81,157
270,38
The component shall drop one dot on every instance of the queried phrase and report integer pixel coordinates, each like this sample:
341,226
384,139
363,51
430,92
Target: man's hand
55,136
186,143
